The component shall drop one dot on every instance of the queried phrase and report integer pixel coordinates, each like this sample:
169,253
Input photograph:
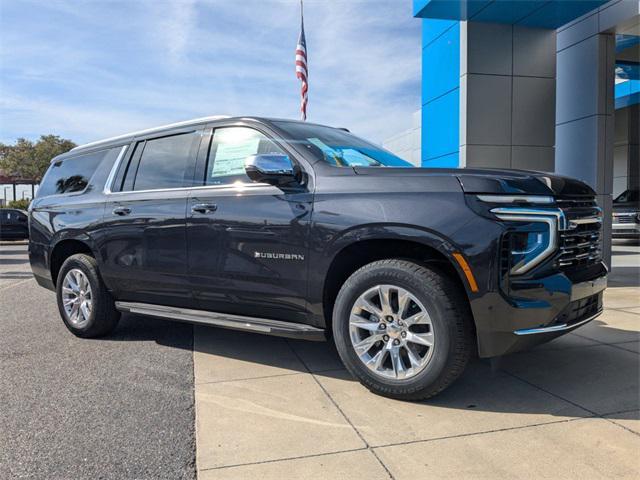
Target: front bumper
536,311
625,230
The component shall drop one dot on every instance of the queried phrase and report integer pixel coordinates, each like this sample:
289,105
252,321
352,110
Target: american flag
301,67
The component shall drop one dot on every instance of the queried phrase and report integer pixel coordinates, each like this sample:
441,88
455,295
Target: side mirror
273,168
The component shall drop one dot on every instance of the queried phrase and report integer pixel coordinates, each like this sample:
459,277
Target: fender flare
403,232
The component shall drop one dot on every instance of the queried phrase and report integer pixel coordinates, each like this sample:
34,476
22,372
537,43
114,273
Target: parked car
14,224
306,231
626,215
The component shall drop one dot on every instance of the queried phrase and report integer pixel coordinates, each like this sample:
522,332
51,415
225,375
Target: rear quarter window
72,174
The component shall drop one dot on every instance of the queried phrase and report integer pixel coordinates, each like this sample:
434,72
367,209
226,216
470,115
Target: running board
226,320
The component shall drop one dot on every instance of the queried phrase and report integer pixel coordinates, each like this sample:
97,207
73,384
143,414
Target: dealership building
548,85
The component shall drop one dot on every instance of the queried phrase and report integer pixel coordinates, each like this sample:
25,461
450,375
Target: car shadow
13,261
485,385
624,277
12,251
16,275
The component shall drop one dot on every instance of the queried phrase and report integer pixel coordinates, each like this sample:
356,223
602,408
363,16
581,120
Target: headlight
526,247
530,247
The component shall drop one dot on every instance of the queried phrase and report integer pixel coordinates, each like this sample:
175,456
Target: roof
125,136
186,123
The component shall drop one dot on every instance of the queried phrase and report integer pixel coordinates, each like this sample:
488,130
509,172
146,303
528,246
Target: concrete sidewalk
273,408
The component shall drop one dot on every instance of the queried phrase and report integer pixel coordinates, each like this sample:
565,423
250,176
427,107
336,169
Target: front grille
580,243
576,202
579,310
624,218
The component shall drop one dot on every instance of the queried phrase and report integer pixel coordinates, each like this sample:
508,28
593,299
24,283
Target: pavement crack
344,415
285,459
484,432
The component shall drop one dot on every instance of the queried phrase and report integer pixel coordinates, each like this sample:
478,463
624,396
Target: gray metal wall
585,109
507,96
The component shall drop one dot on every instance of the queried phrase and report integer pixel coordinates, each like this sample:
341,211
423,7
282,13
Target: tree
22,204
30,160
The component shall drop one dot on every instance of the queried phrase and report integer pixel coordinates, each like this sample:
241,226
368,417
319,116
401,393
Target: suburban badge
279,256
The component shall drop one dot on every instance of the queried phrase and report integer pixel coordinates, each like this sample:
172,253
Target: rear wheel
85,305
403,329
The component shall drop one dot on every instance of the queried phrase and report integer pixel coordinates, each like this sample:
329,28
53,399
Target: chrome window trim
112,174
233,187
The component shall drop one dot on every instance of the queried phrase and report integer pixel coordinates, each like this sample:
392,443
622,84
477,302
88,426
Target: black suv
14,224
306,231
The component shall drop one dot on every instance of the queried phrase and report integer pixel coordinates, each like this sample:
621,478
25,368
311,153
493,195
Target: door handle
121,211
204,207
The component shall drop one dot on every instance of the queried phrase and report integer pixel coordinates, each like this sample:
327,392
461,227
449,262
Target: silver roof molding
185,123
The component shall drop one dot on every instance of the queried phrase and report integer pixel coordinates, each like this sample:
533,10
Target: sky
89,69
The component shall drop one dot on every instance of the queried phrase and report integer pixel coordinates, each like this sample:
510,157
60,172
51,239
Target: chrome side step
226,320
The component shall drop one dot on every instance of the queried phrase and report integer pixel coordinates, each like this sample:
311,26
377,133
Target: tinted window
71,174
230,147
628,196
165,161
339,147
11,216
6,216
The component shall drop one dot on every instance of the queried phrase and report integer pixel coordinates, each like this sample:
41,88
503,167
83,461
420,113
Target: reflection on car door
144,246
247,243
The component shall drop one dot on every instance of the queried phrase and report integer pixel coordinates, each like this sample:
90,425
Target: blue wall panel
432,29
440,93
531,13
441,64
447,161
451,9
440,127
627,93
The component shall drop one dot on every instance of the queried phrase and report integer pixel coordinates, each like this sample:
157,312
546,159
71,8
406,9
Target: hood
626,206
495,181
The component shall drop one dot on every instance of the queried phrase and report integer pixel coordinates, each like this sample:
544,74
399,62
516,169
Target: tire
102,317
447,325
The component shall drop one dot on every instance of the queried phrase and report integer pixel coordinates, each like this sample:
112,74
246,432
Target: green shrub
19,204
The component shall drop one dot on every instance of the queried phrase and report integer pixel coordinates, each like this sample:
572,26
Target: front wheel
403,329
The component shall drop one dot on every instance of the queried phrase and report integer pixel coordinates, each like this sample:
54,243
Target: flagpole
302,71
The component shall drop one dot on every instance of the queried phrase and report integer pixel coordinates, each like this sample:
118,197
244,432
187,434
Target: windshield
339,147
628,196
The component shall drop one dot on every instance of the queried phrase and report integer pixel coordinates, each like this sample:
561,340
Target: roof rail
152,130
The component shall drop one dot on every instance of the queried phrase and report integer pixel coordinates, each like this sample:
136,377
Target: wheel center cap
394,330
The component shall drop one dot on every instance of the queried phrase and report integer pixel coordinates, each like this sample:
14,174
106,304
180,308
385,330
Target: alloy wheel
391,332
77,298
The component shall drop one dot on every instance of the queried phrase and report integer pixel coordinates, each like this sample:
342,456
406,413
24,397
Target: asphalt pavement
120,407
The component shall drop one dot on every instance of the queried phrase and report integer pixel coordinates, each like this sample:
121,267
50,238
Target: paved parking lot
120,407
266,407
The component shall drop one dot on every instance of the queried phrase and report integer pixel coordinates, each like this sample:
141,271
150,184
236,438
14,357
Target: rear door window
71,174
165,162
